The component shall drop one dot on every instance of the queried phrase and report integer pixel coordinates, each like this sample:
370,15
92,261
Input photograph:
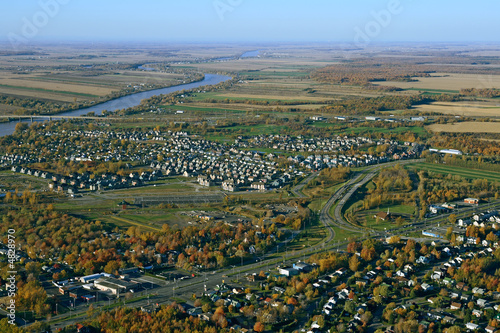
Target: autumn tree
258,327
354,263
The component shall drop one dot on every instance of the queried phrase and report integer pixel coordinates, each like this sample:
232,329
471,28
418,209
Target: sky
251,20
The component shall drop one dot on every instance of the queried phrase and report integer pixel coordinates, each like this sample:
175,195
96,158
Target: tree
206,308
258,327
394,240
20,127
354,263
8,328
452,218
350,307
454,329
449,233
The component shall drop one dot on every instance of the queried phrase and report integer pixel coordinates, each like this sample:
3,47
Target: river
125,102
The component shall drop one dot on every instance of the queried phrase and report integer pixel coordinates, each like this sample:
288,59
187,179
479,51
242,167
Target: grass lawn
313,235
453,170
368,216
275,73
435,91
342,235
365,130
199,109
145,225
222,97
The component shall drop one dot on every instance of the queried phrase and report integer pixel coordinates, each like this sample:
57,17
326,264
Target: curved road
351,186
165,290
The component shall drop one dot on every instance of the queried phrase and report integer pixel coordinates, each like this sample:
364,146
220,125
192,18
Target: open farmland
467,127
40,84
68,87
465,108
448,82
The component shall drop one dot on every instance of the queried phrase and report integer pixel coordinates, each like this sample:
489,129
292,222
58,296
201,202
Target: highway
358,180
165,291
297,190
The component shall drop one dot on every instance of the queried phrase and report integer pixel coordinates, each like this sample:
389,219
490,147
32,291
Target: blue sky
251,20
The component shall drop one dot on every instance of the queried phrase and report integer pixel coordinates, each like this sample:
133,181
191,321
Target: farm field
467,108
467,127
39,83
448,82
68,87
453,170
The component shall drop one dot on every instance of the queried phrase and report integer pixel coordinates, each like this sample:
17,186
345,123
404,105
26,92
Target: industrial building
115,286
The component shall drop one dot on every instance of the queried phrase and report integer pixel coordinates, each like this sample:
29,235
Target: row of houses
481,220
301,144
77,182
319,162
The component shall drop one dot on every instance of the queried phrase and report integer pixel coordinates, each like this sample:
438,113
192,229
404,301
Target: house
288,271
482,302
383,216
279,290
478,291
230,186
465,298
455,306
82,329
472,326
361,283
449,282
302,267
471,201
437,209
194,311
477,313
490,329
427,287
423,260
260,186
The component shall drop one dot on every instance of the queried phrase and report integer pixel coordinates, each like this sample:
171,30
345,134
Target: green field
435,91
453,170
221,97
360,130
246,130
195,108
271,74
368,216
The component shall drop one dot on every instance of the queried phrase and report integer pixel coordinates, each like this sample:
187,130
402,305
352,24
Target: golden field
465,108
467,127
443,81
